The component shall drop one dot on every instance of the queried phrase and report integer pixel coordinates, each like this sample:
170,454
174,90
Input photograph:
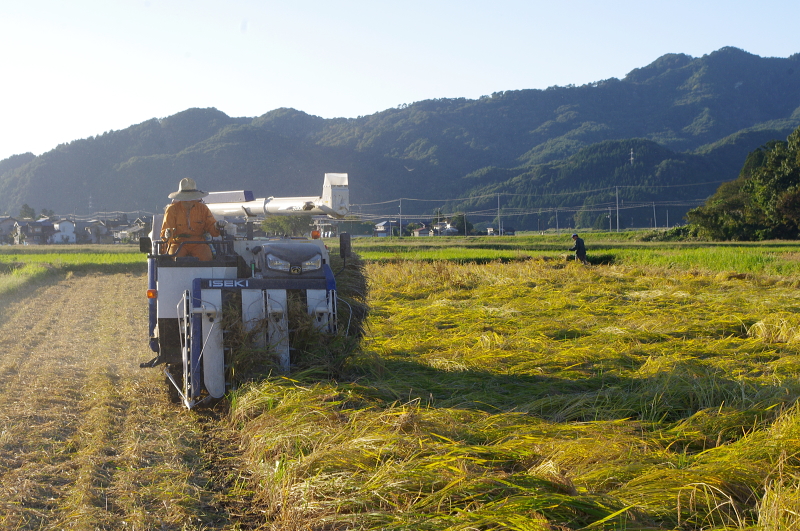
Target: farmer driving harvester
187,219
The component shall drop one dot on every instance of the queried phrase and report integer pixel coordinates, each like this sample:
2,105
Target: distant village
50,230
46,230
441,228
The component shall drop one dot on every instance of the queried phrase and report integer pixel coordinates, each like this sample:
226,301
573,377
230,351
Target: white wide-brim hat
187,191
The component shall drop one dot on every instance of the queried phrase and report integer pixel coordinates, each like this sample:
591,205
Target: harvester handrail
214,243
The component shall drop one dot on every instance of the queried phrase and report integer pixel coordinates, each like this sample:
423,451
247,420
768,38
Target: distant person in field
580,249
188,219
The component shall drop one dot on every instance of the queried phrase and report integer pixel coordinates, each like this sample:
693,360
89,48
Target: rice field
494,384
774,257
656,391
22,265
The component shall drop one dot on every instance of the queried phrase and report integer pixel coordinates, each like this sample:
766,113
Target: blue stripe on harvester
329,279
197,341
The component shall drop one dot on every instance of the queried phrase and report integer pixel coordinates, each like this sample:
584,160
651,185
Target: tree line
762,203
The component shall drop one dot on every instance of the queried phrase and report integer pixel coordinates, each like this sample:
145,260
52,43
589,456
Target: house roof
392,222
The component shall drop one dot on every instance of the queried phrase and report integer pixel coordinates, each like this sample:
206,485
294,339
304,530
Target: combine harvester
248,279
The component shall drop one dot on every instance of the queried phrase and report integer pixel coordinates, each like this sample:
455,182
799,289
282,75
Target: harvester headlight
273,262
313,264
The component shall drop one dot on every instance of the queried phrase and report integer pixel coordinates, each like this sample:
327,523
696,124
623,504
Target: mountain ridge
709,107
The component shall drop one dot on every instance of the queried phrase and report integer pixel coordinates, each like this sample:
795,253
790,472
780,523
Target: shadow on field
673,395
596,259
601,259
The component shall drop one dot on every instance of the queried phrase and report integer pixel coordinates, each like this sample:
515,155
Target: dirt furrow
88,440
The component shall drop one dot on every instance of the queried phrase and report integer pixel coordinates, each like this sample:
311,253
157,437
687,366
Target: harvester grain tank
249,279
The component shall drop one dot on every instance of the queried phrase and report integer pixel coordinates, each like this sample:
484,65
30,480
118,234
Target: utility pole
655,225
499,225
617,193
401,218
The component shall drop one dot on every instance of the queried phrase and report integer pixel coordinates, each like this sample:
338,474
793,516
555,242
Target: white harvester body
248,278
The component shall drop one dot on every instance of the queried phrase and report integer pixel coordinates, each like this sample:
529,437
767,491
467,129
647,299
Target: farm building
505,231
444,228
93,231
7,230
30,232
64,232
385,228
132,232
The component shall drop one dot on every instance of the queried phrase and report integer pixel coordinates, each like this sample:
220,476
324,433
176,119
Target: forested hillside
762,203
687,121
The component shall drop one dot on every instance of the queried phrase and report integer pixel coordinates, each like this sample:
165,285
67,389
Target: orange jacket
189,220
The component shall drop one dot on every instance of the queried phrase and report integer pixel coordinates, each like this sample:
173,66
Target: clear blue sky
77,68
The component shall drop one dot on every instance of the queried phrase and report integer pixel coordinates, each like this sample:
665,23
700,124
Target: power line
540,196
517,212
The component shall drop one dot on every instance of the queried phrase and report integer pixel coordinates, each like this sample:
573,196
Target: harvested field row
88,440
